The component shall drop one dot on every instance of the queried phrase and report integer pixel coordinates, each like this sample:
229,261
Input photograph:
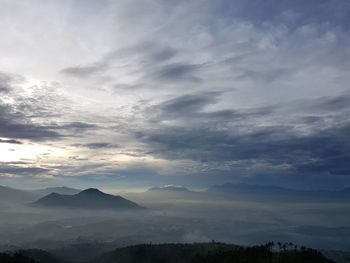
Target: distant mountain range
8,194
229,191
229,187
261,192
63,190
61,195
88,199
247,187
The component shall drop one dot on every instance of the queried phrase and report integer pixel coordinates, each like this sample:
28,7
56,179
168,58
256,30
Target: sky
131,94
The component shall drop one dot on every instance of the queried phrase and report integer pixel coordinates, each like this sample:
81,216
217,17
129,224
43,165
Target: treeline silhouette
268,253
16,258
214,253
185,253
29,256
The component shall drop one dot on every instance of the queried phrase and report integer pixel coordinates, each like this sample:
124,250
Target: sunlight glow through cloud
190,91
20,152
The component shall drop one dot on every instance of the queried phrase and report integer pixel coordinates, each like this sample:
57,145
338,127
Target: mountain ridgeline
88,199
19,196
63,190
8,194
272,193
71,197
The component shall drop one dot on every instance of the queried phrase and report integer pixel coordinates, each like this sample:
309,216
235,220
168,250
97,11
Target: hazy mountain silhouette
230,188
241,191
63,190
271,192
88,199
8,194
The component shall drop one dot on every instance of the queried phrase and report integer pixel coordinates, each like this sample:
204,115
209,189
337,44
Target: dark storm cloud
4,83
77,126
236,136
98,145
3,89
338,103
267,76
188,103
178,72
148,54
152,52
260,52
7,80
85,71
14,125
327,152
10,141
112,176
292,12
26,131
163,54
33,117
192,107
208,144
230,115
24,171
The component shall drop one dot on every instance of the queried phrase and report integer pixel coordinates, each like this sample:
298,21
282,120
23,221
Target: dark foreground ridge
88,199
184,253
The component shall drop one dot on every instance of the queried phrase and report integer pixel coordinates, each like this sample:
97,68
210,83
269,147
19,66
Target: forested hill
213,253
182,253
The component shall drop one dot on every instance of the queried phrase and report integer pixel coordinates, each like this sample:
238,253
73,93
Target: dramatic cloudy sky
136,93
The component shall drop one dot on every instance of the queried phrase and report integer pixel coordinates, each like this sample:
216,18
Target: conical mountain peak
92,191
